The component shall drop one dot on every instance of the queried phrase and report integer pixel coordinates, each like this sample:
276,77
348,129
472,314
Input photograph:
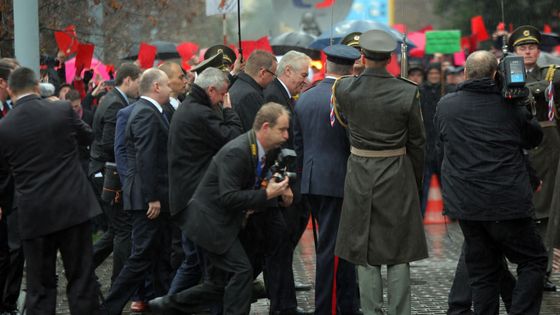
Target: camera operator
229,191
486,186
525,41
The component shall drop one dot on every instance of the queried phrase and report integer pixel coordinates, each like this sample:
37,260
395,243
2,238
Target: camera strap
255,163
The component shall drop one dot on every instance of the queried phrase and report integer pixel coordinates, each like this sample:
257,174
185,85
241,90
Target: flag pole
239,29
224,28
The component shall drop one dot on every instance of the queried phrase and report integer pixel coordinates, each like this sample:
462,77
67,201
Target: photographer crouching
486,186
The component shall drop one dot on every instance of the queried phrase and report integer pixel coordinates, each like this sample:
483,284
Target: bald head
481,64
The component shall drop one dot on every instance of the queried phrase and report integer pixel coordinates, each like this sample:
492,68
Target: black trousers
235,292
267,242
75,248
487,242
151,246
460,294
116,239
326,210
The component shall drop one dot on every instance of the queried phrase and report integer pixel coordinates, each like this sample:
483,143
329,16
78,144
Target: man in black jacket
199,129
229,192
145,192
486,186
54,199
117,237
247,91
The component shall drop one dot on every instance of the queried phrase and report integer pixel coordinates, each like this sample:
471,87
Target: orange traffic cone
434,207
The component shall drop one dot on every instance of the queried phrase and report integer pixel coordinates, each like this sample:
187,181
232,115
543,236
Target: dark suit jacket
120,141
104,122
39,142
197,132
322,150
246,98
275,92
146,147
214,215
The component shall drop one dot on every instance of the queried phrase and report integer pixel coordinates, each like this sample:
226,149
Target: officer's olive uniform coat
381,221
545,158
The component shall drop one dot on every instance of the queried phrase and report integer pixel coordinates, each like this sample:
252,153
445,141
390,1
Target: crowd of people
189,176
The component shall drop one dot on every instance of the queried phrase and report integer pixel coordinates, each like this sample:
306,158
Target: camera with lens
513,78
284,165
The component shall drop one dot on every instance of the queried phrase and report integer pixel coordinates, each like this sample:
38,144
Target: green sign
445,42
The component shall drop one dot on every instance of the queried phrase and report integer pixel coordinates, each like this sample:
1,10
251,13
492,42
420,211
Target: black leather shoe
157,306
302,286
549,286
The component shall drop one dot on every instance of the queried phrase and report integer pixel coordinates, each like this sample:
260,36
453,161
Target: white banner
214,7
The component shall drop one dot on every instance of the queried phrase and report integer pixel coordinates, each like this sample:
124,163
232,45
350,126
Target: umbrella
343,28
165,50
549,41
547,59
98,69
298,41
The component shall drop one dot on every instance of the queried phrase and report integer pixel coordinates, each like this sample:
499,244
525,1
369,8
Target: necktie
260,166
4,110
165,118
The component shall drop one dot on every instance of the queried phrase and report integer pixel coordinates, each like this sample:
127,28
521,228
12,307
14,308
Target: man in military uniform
525,41
322,150
380,222
353,40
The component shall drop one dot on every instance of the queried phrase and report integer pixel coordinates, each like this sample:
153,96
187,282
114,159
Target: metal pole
239,29
26,33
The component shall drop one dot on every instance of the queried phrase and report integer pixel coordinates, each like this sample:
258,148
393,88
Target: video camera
284,165
513,79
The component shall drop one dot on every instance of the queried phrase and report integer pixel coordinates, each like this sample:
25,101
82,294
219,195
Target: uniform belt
378,153
546,123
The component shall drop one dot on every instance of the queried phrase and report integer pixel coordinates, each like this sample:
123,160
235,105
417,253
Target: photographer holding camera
229,191
485,185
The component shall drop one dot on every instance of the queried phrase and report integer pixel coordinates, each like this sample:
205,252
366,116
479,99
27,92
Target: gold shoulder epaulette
407,80
550,69
335,103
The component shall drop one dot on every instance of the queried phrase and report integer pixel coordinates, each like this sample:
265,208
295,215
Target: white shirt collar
151,100
22,96
286,88
260,150
174,102
123,95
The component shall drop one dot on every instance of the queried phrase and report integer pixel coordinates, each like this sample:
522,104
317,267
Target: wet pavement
431,278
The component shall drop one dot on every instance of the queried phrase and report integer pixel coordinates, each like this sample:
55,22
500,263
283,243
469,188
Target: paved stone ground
431,278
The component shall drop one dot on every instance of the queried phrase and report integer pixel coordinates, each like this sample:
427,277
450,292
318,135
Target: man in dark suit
55,201
117,238
322,151
145,191
200,128
178,84
247,91
229,192
11,252
292,73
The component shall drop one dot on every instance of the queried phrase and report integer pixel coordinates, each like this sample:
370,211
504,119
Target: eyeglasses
271,73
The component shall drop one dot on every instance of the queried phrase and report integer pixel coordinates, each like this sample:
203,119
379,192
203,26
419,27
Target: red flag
146,55
501,26
400,27
324,4
83,57
547,29
110,70
250,45
478,28
66,40
425,29
187,50
393,67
